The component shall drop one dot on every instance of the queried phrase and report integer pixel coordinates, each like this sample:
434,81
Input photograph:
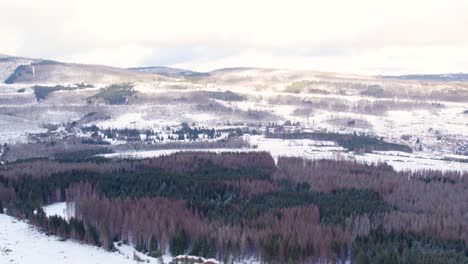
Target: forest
235,206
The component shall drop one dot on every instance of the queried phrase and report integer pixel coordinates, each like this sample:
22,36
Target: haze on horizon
362,36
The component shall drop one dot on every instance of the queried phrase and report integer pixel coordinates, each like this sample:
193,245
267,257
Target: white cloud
9,45
355,36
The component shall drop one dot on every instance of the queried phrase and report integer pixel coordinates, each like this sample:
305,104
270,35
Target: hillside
39,94
102,165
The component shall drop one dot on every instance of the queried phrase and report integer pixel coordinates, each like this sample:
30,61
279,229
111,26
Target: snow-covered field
62,209
157,153
311,149
20,243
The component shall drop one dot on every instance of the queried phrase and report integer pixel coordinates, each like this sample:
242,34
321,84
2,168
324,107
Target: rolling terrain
430,116
149,164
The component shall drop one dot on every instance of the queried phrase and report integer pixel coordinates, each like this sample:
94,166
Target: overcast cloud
359,36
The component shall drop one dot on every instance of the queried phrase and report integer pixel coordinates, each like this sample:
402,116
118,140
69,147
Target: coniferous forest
243,205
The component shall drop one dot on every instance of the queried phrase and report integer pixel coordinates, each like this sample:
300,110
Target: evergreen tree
153,248
179,242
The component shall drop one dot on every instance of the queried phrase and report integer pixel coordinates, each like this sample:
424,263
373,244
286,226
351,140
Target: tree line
242,205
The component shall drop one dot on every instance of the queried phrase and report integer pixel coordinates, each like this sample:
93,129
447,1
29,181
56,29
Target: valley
238,165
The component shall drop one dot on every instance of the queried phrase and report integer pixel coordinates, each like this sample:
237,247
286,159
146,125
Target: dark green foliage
77,228
223,96
203,247
140,246
334,207
153,249
201,189
1,207
84,85
46,62
19,71
178,243
73,228
352,142
237,132
22,90
186,131
92,236
58,225
237,192
94,141
41,92
271,247
374,90
80,155
115,94
382,247
33,193
438,179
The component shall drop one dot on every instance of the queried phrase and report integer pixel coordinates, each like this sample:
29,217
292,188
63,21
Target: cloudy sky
359,36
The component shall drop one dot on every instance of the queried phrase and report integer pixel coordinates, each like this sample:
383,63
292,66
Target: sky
358,36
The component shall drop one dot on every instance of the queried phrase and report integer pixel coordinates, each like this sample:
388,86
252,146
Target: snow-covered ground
311,149
157,153
66,210
400,161
20,243
417,161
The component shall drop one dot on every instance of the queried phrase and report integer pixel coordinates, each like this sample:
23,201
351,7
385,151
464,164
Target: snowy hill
45,72
21,243
42,93
449,77
9,64
170,72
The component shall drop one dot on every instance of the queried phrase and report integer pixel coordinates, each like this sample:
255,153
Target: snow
413,162
158,153
66,210
21,243
129,252
311,149
195,258
305,148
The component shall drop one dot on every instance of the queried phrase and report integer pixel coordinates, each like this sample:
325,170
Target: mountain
9,64
448,77
170,72
39,93
15,70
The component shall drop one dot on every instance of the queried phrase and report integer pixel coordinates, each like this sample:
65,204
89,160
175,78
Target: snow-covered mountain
39,93
171,72
15,70
448,77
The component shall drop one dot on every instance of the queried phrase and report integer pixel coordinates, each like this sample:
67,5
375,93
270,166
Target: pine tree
361,258
153,248
178,243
